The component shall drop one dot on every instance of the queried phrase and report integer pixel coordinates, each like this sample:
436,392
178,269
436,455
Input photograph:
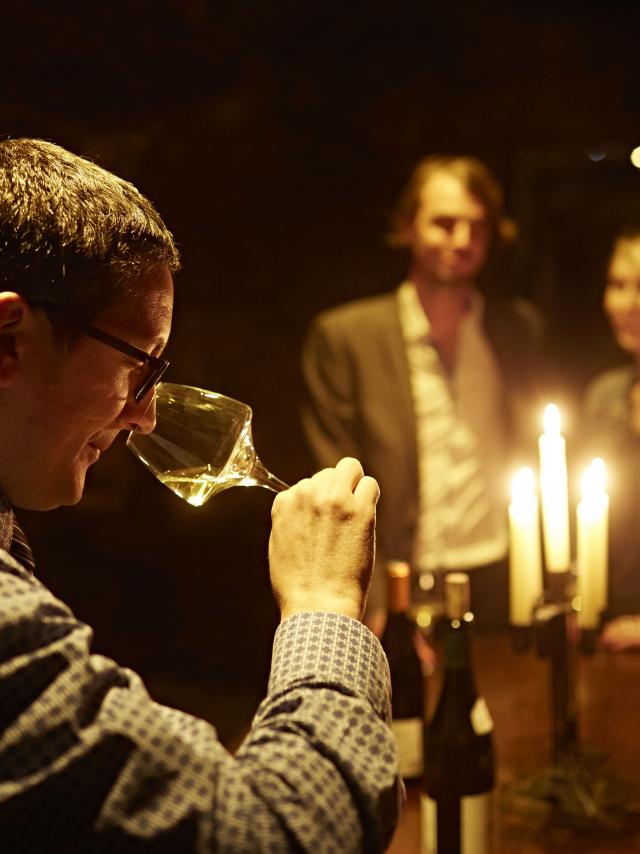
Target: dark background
273,137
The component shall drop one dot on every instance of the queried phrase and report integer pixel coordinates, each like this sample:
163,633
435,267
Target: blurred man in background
431,385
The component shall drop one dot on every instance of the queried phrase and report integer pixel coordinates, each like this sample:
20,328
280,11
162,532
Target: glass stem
263,477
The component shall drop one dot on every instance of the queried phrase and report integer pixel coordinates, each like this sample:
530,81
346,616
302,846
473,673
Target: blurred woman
612,411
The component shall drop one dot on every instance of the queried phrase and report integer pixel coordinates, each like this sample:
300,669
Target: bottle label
408,736
474,830
481,720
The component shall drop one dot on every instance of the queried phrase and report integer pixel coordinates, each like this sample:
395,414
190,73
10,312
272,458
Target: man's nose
143,414
462,235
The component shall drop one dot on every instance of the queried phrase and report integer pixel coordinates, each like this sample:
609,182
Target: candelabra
557,639
558,610
577,785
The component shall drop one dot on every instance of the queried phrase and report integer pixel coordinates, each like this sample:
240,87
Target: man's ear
12,314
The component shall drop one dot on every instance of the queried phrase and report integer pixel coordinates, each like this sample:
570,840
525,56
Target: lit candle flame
523,484
553,490
594,479
551,420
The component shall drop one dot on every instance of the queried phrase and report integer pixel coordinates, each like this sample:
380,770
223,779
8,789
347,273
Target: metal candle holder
577,776
557,637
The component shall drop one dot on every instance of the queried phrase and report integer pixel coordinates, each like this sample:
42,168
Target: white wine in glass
201,444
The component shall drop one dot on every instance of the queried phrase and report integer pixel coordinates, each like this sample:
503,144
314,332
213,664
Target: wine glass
201,444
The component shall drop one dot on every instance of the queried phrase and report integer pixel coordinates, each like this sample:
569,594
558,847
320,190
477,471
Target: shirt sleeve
90,763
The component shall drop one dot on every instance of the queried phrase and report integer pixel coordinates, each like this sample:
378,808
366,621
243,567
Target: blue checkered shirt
90,763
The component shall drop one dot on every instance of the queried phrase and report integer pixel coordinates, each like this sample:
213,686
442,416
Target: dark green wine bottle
459,764
407,681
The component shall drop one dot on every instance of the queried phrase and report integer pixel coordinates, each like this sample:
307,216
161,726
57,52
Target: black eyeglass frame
157,365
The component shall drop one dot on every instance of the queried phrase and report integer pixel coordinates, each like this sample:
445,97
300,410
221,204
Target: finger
323,476
349,472
367,490
287,496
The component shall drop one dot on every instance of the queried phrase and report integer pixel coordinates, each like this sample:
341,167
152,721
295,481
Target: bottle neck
399,594
457,655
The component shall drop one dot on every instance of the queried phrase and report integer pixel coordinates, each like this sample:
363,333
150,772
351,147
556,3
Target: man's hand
322,541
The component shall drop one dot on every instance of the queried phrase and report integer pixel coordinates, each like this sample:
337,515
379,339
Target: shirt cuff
323,647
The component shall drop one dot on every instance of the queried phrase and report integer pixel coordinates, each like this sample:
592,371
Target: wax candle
592,545
553,492
525,562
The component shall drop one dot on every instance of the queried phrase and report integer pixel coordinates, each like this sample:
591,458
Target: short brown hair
474,176
71,232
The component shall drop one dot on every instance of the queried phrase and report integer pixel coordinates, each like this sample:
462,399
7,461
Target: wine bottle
407,681
458,779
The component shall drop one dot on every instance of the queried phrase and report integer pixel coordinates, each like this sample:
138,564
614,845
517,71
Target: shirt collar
415,322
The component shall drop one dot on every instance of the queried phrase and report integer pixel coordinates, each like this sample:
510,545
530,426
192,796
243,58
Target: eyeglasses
155,367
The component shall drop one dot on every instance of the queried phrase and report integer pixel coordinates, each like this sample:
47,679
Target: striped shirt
460,441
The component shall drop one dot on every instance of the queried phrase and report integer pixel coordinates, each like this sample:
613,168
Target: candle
592,545
553,492
525,563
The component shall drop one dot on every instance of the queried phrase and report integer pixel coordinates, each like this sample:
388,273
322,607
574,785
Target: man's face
77,400
622,294
450,234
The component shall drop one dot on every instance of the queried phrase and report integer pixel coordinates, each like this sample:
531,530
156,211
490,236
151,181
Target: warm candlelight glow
525,562
592,534
551,420
523,485
594,480
553,492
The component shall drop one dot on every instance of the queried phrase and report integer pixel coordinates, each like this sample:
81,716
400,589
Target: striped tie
20,548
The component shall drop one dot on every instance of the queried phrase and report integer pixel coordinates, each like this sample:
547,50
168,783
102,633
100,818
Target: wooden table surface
516,687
